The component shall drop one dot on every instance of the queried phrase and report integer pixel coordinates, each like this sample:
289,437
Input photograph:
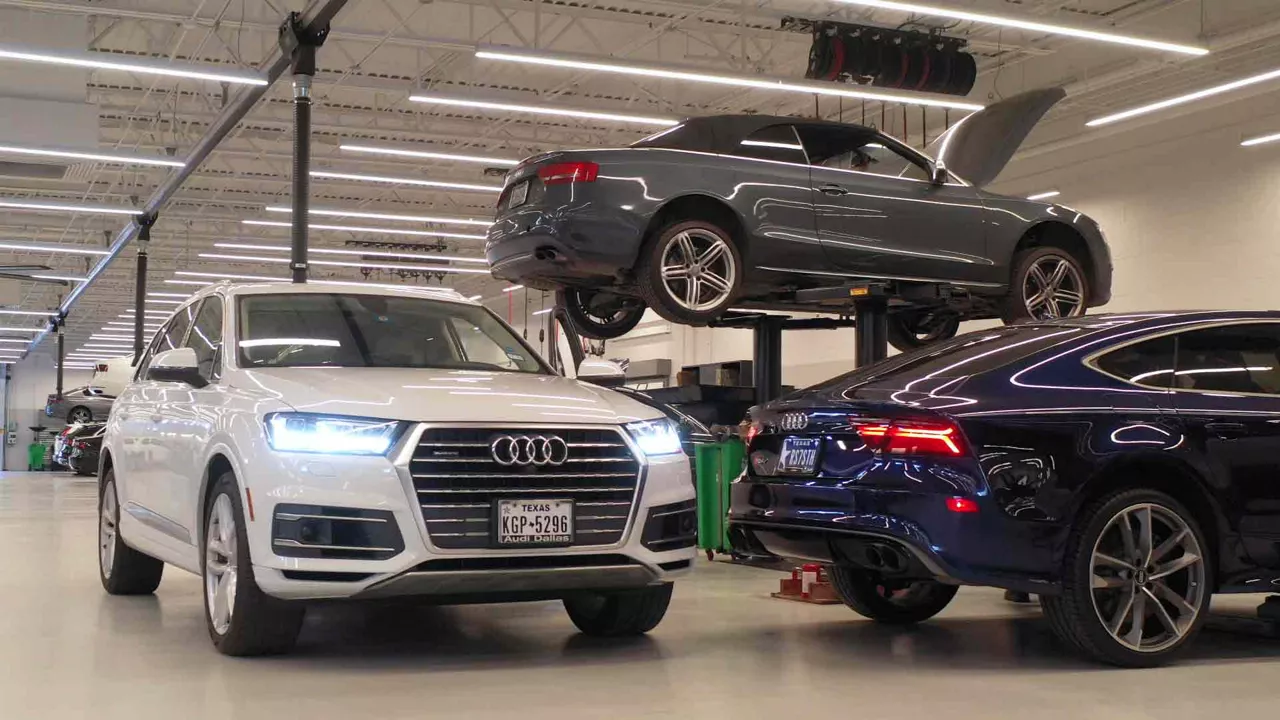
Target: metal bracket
300,42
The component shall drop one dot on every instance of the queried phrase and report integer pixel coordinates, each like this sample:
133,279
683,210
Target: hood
978,147
445,395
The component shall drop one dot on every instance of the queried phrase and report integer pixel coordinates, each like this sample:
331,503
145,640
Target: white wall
29,386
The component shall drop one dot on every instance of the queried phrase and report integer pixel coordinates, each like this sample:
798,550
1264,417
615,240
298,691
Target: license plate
519,194
799,455
535,522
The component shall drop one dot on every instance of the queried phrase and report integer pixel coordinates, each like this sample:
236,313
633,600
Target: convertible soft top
721,134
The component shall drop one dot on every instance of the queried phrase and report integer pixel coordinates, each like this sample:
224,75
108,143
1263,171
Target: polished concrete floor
726,650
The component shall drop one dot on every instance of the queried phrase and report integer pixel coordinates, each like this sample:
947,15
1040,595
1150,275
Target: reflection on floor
726,650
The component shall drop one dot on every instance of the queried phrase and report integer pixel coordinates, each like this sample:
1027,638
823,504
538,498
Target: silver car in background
81,405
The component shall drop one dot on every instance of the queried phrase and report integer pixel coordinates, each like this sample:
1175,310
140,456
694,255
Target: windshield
341,330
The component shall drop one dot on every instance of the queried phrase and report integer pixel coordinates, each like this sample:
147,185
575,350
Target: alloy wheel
1147,578
220,568
698,270
1053,288
79,416
107,529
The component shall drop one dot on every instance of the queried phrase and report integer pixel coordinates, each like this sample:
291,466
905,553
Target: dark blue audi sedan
1123,467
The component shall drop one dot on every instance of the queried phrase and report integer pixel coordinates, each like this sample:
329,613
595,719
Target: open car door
978,147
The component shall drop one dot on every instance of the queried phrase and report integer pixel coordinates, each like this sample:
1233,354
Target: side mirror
178,365
601,372
940,174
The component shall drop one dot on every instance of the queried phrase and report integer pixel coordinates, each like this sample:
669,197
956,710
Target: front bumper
379,492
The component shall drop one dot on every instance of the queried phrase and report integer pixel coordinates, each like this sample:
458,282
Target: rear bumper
562,246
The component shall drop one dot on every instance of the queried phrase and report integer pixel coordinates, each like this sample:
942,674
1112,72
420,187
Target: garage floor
725,650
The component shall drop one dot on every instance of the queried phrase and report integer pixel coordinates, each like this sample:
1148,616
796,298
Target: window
156,345
776,142
176,332
206,336
340,330
1148,363
841,148
1241,358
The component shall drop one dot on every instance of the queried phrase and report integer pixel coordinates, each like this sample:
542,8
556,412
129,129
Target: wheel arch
700,206
1055,233
1169,475
218,464
105,465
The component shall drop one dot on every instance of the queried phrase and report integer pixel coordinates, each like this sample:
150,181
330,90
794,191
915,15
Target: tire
79,415
600,315
256,623
710,244
1074,283
620,613
874,598
915,329
1077,614
123,570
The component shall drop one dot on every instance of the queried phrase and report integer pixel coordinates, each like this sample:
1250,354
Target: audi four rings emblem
793,421
539,450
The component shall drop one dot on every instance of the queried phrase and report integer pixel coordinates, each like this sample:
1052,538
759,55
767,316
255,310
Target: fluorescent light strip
37,247
96,336
154,301
15,341
180,296
226,276
1184,99
337,212
512,288
1044,195
425,155
145,66
67,278
120,158
51,206
35,313
542,109
1260,140
542,312
1047,28
370,253
406,181
475,297
21,329
334,263
771,144
671,72
196,283
358,229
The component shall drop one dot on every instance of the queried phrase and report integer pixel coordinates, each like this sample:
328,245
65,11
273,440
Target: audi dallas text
323,443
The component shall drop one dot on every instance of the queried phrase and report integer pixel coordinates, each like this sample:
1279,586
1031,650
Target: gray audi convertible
746,211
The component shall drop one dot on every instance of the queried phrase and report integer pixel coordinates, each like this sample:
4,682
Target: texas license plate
535,522
799,455
519,193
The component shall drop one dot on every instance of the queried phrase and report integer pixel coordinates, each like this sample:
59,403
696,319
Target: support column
140,283
871,323
306,41
767,335
62,354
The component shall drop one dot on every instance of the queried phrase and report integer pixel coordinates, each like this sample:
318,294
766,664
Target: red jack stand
808,584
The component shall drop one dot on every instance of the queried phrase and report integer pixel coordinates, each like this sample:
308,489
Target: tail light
568,172
102,367
913,438
961,505
80,444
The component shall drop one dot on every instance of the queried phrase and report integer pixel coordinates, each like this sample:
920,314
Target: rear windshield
967,354
340,330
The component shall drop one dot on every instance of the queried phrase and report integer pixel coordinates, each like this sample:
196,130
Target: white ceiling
381,51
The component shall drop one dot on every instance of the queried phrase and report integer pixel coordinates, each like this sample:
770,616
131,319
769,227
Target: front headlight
309,433
656,437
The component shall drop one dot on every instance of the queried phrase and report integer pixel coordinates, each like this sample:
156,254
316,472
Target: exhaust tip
546,254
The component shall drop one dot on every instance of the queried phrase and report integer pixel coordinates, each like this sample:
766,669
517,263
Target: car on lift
746,210
324,442
81,405
1120,466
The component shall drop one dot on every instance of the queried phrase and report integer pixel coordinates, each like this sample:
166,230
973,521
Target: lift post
139,283
304,41
58,321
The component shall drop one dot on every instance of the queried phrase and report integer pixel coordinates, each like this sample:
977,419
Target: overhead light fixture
20,329
126,63
54,206
512,288
65,278
369,253
1260,140
1044,195
38,247
772,144
674,72
129,324
407,181
180,296
1047,28
541,312
1184,99
155,301
34,313
475,297
97,336
338,212
542,109
358,229
428,155
197,283
119,158
226,276
334,263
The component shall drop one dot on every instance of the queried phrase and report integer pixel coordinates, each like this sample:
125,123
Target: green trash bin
717,465
35,456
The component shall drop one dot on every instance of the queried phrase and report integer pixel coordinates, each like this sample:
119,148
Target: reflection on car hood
445,395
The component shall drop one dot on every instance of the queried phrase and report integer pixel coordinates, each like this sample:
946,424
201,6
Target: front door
879,214
1227,392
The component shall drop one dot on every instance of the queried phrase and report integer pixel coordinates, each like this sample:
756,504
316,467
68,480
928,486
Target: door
774,195
879,213
1227,393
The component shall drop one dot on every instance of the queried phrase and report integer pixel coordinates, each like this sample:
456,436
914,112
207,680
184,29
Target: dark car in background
63,442
1123,467
746,210
85,448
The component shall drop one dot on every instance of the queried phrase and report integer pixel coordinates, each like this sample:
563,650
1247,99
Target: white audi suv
291,443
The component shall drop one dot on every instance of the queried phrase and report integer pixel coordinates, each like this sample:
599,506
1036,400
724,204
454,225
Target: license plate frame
503,537
799,455
519,194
